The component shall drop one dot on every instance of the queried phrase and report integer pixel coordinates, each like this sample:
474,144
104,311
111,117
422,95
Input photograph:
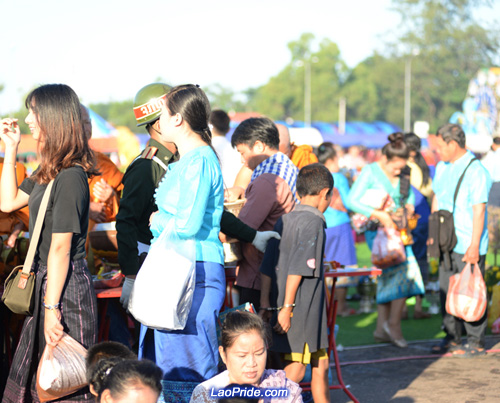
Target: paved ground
401,377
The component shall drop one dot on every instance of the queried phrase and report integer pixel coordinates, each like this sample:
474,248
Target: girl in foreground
244,351
64,293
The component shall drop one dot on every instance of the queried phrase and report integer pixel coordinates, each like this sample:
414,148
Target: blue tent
368,134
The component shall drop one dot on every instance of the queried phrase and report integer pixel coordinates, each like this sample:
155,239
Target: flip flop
467,351
445,346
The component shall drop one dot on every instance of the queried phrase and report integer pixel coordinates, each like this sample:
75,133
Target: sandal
381,338
347,312
467,351
445,346
421,315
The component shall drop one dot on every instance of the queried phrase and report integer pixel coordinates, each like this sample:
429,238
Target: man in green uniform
141,179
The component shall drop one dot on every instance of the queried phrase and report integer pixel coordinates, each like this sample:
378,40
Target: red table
103,296
331,311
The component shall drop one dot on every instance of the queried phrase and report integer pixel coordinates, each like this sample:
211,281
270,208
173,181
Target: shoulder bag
442,235
19,294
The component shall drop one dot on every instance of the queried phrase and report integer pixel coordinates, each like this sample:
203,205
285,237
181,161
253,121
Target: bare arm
472,253
11,199
57,272
265,290
285,314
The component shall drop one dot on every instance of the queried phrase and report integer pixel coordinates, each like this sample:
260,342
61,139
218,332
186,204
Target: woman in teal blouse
191,195
404,280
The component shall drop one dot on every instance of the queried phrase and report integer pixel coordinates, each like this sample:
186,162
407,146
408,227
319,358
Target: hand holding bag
466,297
19,294
61,370
388,249
164,287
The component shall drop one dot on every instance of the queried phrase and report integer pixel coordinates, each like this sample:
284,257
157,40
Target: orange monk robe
303,155
113,176
9,220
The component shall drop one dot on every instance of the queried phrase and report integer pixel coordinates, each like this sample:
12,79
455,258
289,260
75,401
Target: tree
372,91
451,44
224,98
283,96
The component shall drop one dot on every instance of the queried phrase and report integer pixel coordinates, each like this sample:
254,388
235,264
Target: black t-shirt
67,211
299,252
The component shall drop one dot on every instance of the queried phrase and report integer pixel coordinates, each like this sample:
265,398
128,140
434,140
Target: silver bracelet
51,307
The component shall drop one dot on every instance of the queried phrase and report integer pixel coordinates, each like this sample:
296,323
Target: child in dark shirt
293,282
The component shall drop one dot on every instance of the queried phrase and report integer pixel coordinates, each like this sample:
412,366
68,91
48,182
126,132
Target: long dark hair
191,102
414,143
63,143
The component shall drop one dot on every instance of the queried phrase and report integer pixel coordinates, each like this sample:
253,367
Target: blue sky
108,49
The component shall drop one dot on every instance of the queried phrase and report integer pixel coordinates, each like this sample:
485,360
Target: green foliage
283,96
452,46
441,40
374,90
224,98
117,113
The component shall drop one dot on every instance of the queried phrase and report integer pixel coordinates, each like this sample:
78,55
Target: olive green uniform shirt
137,204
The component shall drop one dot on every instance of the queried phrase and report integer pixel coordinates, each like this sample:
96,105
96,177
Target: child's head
243,349
116,380
107,349
314,186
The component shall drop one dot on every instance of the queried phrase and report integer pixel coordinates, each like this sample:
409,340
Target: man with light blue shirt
470,219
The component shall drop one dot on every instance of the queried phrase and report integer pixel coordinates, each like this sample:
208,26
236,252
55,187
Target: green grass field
358,329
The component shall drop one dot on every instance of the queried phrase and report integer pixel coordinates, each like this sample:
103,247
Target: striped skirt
79,318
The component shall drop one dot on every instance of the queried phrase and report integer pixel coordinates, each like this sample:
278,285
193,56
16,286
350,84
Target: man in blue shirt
470,219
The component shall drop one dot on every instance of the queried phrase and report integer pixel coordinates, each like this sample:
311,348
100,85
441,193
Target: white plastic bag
388,249
61,370
466,298
163,289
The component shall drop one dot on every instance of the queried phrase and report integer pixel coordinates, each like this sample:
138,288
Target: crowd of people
298,212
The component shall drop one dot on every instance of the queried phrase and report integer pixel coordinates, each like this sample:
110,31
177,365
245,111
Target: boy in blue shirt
293,282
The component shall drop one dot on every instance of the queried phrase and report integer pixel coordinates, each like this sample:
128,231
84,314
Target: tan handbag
18,294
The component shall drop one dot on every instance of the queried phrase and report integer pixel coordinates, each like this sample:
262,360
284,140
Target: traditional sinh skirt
189,356
401,281
79,313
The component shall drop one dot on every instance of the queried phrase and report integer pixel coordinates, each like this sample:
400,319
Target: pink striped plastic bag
466,297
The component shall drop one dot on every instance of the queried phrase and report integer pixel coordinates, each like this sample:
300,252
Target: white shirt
230,159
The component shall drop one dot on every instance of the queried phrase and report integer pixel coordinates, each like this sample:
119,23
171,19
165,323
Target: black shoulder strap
460,182
404,184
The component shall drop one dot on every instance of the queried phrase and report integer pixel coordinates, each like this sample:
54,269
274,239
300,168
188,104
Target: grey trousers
452,325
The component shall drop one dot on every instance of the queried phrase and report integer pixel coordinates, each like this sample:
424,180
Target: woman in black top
64,295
